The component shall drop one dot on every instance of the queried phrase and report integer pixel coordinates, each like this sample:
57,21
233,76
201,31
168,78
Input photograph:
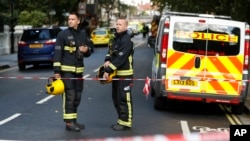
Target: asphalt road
28,113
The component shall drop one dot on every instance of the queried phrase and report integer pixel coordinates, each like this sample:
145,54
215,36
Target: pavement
10,60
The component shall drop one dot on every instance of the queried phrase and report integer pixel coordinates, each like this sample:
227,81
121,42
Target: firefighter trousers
72,95
122,99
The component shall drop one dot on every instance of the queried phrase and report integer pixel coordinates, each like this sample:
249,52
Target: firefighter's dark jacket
120,55
67,56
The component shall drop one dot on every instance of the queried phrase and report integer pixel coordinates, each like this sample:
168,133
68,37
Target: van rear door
205,55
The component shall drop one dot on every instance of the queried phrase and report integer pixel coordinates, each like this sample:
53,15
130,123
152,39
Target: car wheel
21,66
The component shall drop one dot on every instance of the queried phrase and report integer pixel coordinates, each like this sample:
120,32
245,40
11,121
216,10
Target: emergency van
201,57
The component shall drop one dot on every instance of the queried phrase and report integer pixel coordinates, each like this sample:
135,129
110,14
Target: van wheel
159,103
21,66
237,109
152,90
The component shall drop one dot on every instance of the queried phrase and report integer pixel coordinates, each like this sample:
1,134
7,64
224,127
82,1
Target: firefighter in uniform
120,59
71,47
154,28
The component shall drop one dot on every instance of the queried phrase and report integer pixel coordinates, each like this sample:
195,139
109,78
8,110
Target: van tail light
246,53
164,43
22,44
164,47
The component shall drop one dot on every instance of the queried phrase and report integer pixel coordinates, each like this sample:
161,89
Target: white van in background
201,57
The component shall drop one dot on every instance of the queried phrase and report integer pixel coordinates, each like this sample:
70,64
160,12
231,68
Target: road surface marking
10,118
45,99
234,120
85,76
185,128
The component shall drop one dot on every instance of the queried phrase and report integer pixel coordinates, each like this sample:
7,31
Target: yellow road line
233,119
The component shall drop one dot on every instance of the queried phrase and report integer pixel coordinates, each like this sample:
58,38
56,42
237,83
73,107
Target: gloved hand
79,54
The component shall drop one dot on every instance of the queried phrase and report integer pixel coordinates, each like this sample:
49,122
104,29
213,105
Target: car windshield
38,34
100,32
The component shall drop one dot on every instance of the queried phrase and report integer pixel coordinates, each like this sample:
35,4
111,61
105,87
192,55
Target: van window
206,39
159,34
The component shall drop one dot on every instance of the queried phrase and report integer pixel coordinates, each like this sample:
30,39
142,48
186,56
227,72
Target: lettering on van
203,52
207,36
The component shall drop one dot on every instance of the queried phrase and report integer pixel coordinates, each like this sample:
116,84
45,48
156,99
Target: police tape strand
41,78
139,79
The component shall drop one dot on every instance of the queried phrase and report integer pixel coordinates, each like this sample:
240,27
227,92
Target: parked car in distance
136,27
101,36
36,46
129,31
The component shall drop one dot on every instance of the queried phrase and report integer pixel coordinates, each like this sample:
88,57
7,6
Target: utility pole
12,30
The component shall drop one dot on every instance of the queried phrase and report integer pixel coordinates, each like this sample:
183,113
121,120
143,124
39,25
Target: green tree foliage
39,18
31,5
37,9
237,9
3,16
32,12
3,9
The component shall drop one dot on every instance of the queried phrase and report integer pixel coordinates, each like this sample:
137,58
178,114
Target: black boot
118,127
72,126
81,126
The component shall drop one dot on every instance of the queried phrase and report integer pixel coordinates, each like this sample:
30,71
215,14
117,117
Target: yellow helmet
55,86
100,75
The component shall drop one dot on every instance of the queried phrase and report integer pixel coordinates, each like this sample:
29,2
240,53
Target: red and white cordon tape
146,88
221,136
86,78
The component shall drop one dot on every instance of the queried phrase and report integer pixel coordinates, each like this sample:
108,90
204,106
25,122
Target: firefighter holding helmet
71,48
120,59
